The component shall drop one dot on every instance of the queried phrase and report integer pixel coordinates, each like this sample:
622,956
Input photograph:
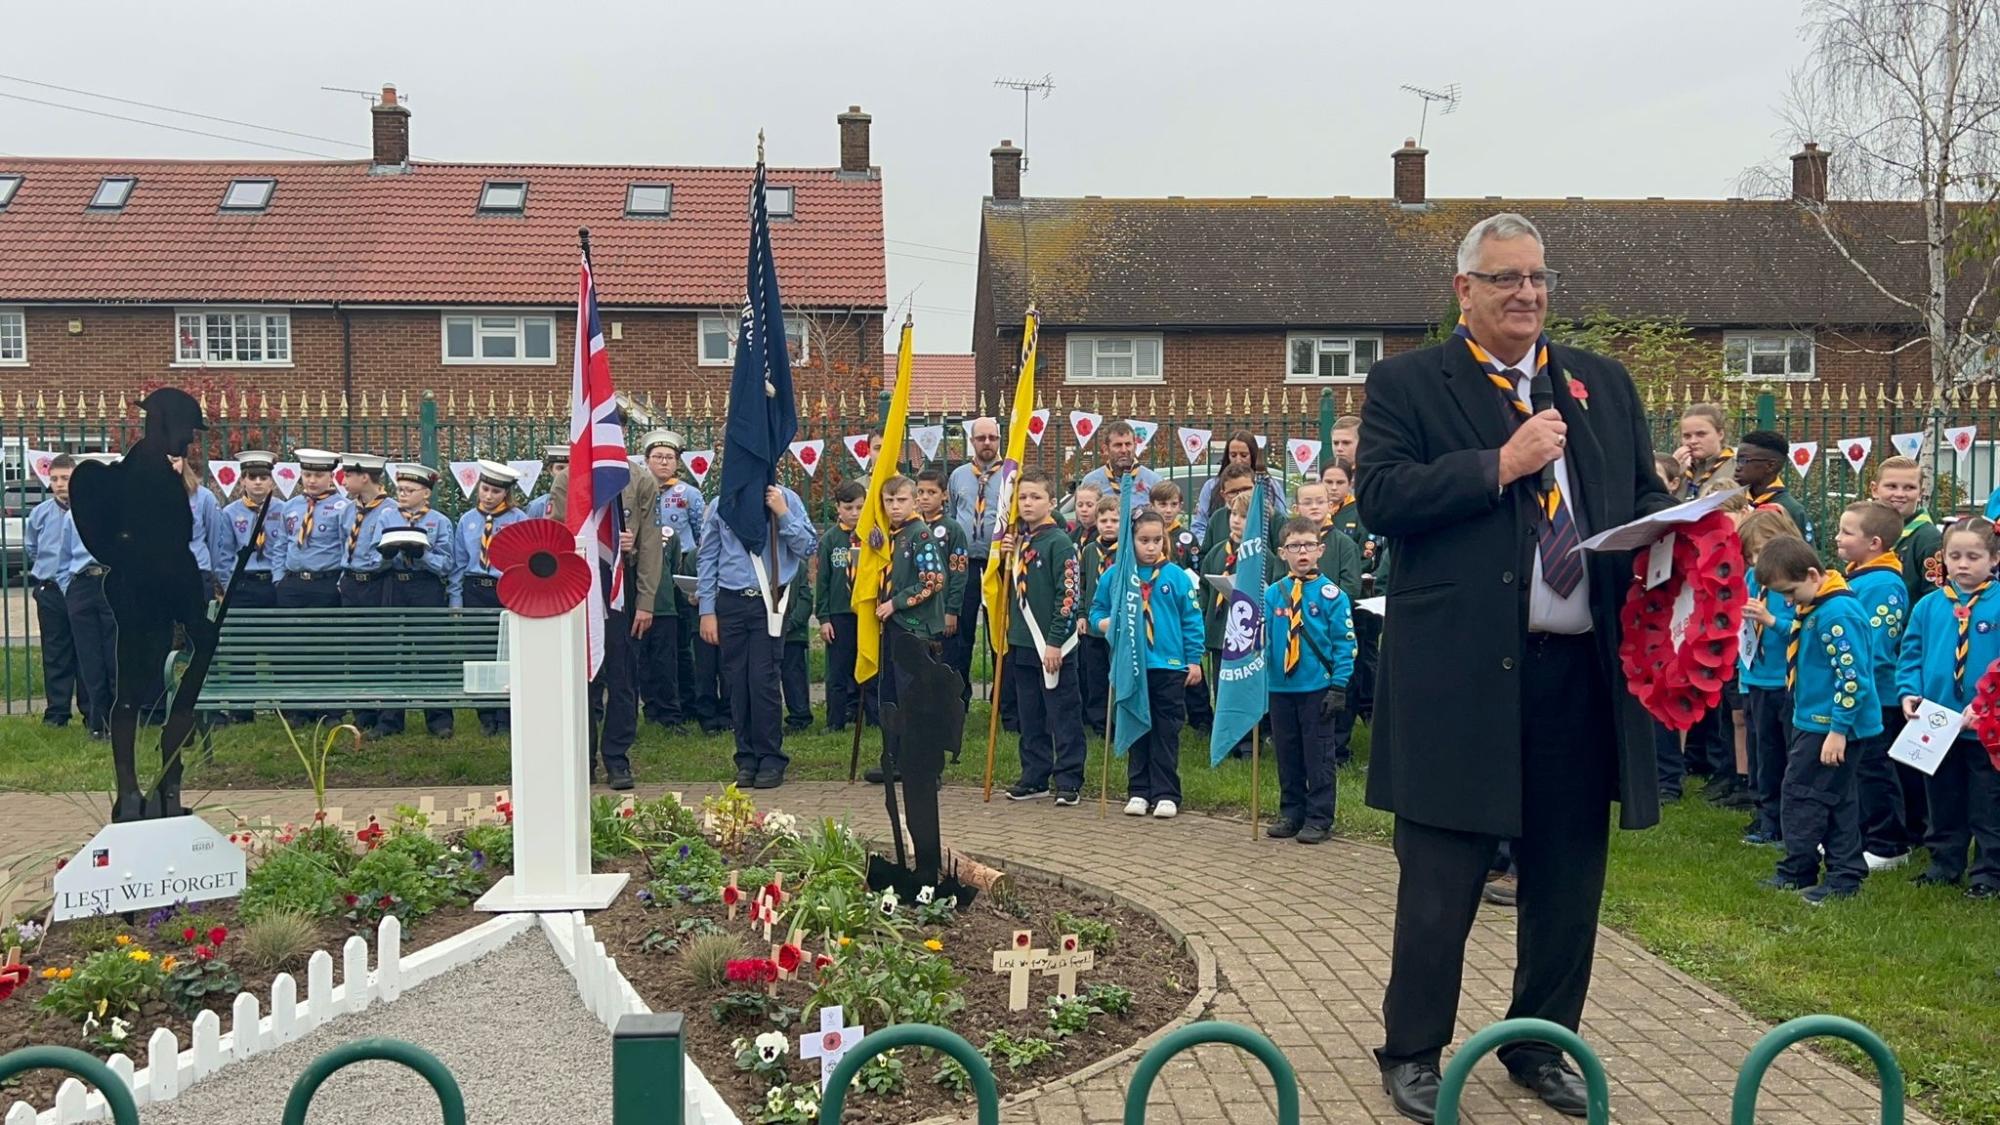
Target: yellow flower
845,940
934,945
65,973
167,963
103,1006
48,974
124,939
140,956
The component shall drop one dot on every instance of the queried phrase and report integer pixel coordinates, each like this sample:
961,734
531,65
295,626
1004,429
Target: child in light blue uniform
1311,631
1767,701
1172,639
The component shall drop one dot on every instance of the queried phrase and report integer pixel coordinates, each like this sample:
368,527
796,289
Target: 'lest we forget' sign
143,864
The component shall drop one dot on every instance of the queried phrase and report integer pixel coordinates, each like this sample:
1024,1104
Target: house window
1759,356
1120,359
718,340
248,195
504,195
8,186
13,337
235,337
484,338
649,200
112,192
1330,359
778,202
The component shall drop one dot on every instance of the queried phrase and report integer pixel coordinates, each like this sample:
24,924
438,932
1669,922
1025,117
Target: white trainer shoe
1884,862
1135,807
1165,810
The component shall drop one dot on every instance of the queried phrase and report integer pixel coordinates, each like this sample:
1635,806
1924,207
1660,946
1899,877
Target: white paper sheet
1927,738
1377,606
1646,529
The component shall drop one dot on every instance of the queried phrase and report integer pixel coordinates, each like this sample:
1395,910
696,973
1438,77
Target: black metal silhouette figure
924,723
134,518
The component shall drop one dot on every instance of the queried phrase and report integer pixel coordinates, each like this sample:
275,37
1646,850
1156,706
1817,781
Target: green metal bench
348,659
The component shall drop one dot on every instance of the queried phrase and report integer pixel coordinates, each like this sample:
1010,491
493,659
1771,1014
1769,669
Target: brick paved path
1301,938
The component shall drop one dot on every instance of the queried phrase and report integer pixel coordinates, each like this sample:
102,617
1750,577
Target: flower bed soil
22,1024
1144,958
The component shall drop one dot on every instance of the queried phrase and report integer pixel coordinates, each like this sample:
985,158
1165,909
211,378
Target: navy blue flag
762,416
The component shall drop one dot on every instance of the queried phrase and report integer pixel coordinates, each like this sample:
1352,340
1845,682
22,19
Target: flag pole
860,719
993,701
1104,775
1256,760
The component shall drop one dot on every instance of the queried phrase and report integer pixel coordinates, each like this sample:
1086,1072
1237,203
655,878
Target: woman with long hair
1241,448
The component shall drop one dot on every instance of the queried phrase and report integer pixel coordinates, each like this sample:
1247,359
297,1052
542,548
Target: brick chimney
1809,174
853,141
392,132
1006,171
1409,161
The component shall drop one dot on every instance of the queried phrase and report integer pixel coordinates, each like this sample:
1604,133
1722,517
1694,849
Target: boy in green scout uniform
1041,631
932,487
792,679
833,594
912,599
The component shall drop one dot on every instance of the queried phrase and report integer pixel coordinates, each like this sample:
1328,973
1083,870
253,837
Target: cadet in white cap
557,459
477,583
257,587
666,653
361,563
415,544
316,532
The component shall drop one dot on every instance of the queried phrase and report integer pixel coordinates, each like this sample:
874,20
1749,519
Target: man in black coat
1500,709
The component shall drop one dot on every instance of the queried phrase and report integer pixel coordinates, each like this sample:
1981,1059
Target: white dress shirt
1549,612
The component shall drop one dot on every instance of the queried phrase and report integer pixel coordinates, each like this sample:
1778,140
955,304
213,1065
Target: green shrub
885,982
107,983
489,846
686,870
280,939
837,903
295,879
194,978
1095,935
829,848
1109,998
663,820
610,830
1019,1053
409,876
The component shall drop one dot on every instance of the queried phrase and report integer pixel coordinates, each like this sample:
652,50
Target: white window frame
490,186
798,338
632,189
263,202
19,319
1099,347
10,186
791,210
97,194
481,330
1325,344
263,319
1762,343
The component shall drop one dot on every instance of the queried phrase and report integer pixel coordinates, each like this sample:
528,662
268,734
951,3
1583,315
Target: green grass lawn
1917,965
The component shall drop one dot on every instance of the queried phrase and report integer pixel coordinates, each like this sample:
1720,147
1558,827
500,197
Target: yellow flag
994,588
872,530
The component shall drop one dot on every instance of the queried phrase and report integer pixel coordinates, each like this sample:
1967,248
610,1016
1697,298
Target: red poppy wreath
1677,668
1985,718
541,575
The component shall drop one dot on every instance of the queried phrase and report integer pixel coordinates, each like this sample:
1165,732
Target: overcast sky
1159,98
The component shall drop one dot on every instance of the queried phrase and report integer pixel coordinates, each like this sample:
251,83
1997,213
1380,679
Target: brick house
1181,297
391,276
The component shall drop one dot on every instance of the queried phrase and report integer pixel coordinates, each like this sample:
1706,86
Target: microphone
1542,396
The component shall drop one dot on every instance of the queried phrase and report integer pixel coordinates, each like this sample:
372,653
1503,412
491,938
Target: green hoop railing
1597,1087
1213,1031
124,1110
1749,1080
363,1050
984,1088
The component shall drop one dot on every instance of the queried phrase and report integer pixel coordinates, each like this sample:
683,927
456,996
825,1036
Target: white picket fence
171,1069
608,995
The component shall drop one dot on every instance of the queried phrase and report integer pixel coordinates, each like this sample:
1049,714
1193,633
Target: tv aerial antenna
374,96
1446,98
1046,84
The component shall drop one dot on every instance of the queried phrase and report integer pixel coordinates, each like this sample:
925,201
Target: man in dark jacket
1501,712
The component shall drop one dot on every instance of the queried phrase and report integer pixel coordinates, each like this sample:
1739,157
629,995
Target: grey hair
1506,224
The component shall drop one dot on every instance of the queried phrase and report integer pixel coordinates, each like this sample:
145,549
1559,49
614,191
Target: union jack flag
598,468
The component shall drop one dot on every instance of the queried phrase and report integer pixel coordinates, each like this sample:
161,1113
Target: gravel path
509,1026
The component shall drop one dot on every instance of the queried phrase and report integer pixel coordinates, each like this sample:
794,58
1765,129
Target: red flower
203,953
789,957
371,835
218,935
822,962
628,812
1069,945
775,893
1578,391
751,970
319,817
352,900
386,901
731,896
541,575
188,934
1021,940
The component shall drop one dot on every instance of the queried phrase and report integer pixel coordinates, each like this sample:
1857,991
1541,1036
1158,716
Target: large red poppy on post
541,575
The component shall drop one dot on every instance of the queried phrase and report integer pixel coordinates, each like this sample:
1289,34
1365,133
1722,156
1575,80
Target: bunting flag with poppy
994,589
871,531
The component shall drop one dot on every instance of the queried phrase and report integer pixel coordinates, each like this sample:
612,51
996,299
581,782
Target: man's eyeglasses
1544,280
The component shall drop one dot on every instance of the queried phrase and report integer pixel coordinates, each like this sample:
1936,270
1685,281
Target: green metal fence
511,427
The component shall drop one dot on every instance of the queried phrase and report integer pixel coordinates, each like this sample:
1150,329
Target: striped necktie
1562,565
1831,586
312,509
256,541
979,495
1295,621
486,535
1792,652
361,514
1146,602
1964,615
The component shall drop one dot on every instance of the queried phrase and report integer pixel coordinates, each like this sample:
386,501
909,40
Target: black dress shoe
1559,1087
873,775
1413,1090
768,779
620,779
745,778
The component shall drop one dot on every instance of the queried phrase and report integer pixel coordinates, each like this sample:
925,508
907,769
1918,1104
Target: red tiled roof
336,231
939,383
